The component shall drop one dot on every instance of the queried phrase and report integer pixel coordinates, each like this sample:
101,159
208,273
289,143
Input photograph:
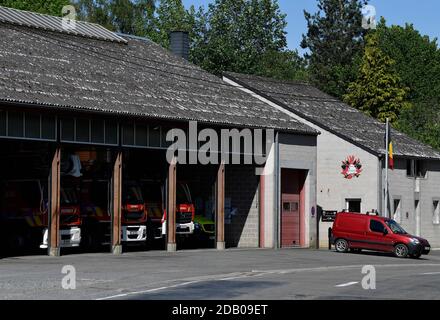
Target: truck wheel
341,245
401,251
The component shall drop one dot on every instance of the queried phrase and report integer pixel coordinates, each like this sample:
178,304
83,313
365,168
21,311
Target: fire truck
155,202
96,215
24,215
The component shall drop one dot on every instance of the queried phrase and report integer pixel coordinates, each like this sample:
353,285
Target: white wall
410,189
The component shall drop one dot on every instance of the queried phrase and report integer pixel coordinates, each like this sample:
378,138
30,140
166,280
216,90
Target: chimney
179,44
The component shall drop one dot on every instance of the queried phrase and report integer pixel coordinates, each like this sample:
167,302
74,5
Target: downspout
277,194
380,184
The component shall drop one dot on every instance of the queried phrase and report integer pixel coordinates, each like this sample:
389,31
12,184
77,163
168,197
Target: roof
332,115
59,70
46,22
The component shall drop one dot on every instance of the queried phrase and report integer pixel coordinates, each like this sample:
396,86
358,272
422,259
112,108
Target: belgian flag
390,147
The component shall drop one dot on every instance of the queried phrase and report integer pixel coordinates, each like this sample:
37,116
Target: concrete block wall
430,192
242,186
404,188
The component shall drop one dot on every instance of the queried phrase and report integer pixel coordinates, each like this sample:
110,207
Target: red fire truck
154,194
24,214
96,216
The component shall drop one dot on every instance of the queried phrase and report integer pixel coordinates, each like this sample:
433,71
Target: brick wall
242,186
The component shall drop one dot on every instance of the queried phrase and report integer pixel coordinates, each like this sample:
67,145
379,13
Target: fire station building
352,155
84,119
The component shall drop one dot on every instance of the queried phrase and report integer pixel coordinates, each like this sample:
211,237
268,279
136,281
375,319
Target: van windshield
395,227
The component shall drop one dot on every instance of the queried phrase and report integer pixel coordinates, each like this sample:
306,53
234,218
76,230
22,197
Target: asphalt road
232,274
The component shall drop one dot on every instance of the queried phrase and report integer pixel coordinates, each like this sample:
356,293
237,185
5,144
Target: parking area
230,274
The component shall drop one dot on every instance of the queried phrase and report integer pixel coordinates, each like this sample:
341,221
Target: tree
172,16
240,36
377,91
285,65
134,17
422,122
51,7
418,65
417,59
335,41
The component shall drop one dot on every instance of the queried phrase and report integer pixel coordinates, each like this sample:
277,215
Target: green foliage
377,91
243,36
52,7
335,41
284,65
417,59
417,62
125,16
172,16
422,122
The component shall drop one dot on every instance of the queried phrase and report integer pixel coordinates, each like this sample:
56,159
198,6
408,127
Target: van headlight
415,241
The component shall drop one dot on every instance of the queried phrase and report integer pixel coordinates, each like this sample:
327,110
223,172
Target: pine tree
335,43
377,91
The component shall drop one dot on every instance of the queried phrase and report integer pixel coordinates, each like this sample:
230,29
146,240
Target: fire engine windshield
395,227
132,194
183,195
69,196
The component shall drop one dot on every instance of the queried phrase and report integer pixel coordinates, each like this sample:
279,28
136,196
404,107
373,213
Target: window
128,134
15,124
155,133
397,210
33,126
436,212
420,168
97,131
377,226
416,168
289,207
48,127
82,130
354,205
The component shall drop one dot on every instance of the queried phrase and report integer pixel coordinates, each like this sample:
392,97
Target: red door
292,215
376,238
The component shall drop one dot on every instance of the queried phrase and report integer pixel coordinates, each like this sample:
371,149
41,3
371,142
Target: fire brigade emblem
351,167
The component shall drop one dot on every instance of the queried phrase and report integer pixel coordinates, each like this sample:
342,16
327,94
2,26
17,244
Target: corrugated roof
57,24
59,70
333,115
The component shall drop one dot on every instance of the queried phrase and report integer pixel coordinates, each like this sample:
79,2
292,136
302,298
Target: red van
356,231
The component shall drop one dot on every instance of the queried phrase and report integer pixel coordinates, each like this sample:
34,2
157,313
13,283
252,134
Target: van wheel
401,251
416,256
341,245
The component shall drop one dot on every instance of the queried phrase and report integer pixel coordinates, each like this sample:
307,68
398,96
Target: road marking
149,290
260,273
429,273
348,284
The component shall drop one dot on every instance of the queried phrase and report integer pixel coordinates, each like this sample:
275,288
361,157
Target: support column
117,204
220,210
171,206
54,217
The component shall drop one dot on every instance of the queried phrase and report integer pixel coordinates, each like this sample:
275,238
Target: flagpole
387,142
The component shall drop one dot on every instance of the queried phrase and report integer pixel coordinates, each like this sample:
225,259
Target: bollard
329,238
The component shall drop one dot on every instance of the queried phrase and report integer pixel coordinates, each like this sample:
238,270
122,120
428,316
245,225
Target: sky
424,14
